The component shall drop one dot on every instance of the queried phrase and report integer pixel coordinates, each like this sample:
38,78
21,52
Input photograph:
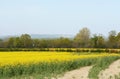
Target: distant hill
42,36
50,36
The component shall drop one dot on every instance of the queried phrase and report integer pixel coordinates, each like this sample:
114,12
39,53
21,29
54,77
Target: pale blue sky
58,16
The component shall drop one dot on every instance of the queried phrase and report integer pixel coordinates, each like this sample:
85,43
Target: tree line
83,39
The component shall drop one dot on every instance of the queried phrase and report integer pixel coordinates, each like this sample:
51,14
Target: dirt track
109,73
81,73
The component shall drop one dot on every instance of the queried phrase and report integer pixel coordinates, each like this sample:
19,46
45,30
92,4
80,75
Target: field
49,64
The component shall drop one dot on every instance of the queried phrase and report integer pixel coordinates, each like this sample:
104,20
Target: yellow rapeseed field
12,58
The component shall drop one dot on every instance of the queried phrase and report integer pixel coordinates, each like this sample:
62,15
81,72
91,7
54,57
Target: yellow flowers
13,58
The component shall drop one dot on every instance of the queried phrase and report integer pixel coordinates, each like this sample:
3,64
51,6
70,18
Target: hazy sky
58,16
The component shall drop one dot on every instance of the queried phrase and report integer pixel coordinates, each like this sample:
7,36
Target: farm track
81,73
109,73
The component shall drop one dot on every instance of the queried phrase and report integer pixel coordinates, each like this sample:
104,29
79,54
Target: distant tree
10,42
17,42
55,43
118,40
36,43
94,40
1,43
82,38
43,43
98,41
26,41
40,43
112,39
51,43
63,42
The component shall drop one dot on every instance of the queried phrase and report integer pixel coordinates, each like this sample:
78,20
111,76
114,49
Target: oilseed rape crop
12,58
22,63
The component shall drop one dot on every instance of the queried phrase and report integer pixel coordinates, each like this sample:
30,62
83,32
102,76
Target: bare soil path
81,73
109,73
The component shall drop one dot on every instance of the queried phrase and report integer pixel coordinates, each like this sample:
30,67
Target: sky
58,16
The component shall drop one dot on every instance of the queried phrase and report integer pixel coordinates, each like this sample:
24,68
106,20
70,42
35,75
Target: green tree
98,41
10,42
112,39
43,43
26,41
118,40
17,42
63,42
82,38
36,43
1,43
